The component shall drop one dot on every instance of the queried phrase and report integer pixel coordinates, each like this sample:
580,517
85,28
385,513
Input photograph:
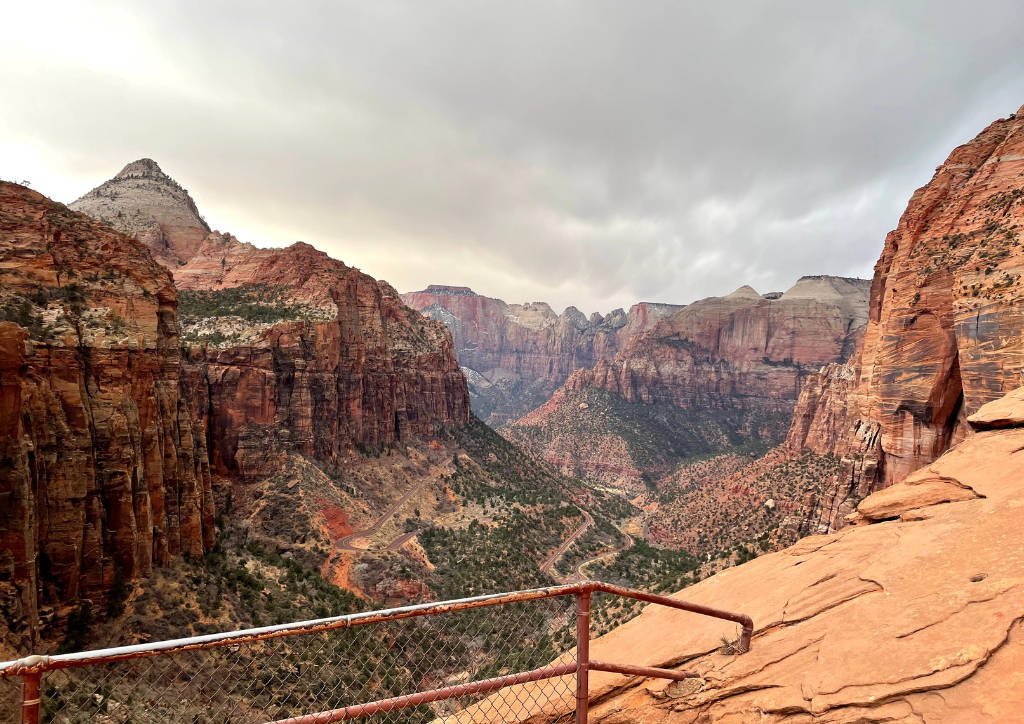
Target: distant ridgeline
516,355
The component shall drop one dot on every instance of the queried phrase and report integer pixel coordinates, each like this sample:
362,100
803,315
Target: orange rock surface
946,330
917,618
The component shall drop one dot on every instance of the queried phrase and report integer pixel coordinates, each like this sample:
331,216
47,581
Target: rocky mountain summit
147,204
719,372
945,333
516,355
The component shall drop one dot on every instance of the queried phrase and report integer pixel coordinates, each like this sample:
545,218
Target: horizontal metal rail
231,638
648,671
425,697
29,669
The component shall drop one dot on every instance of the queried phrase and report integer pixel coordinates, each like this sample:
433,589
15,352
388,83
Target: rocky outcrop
946,331
821,417
147,204
914,618
517,355
111,429
738,350
291,350
104,469
298,352
735,364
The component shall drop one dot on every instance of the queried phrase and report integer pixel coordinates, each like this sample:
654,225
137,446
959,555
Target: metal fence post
30,697
582,655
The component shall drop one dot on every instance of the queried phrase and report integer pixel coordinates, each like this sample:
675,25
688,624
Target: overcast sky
589,153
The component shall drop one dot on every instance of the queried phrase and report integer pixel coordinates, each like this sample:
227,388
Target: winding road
577,572
345,543
549,562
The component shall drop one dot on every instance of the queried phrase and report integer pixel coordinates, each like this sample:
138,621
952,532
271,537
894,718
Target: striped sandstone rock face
946,328
105,470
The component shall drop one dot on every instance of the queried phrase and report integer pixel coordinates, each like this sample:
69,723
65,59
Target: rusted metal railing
118,700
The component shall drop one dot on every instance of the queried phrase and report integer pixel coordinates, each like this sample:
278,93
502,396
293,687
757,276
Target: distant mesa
449,290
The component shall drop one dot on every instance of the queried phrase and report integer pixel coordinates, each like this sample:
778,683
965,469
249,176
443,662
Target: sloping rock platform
914,618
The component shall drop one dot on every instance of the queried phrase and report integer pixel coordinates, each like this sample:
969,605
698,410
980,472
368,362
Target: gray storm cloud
587,153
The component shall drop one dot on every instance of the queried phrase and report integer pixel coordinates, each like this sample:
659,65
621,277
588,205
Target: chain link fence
454,661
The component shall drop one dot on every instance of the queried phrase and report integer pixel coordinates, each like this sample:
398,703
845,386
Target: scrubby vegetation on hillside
230,316
710,507
510,473
655,438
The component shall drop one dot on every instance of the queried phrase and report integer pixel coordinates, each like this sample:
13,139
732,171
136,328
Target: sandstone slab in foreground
917,618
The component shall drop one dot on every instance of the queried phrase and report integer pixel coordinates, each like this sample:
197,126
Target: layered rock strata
299,352
105,471
741,349
290,350
946,330
517,355
115,418
734,364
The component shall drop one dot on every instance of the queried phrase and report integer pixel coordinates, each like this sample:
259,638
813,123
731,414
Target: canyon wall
944,334
105,472
290,349
516,355
116,417
299,352
715,374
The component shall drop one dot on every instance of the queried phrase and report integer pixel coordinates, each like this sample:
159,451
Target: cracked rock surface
917,618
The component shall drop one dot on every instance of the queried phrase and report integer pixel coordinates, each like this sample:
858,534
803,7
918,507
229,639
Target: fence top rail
39,663
227,638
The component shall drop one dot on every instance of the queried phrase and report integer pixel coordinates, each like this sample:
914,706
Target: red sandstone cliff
110,430
104,471
291,350
946,330
517,355
334,361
